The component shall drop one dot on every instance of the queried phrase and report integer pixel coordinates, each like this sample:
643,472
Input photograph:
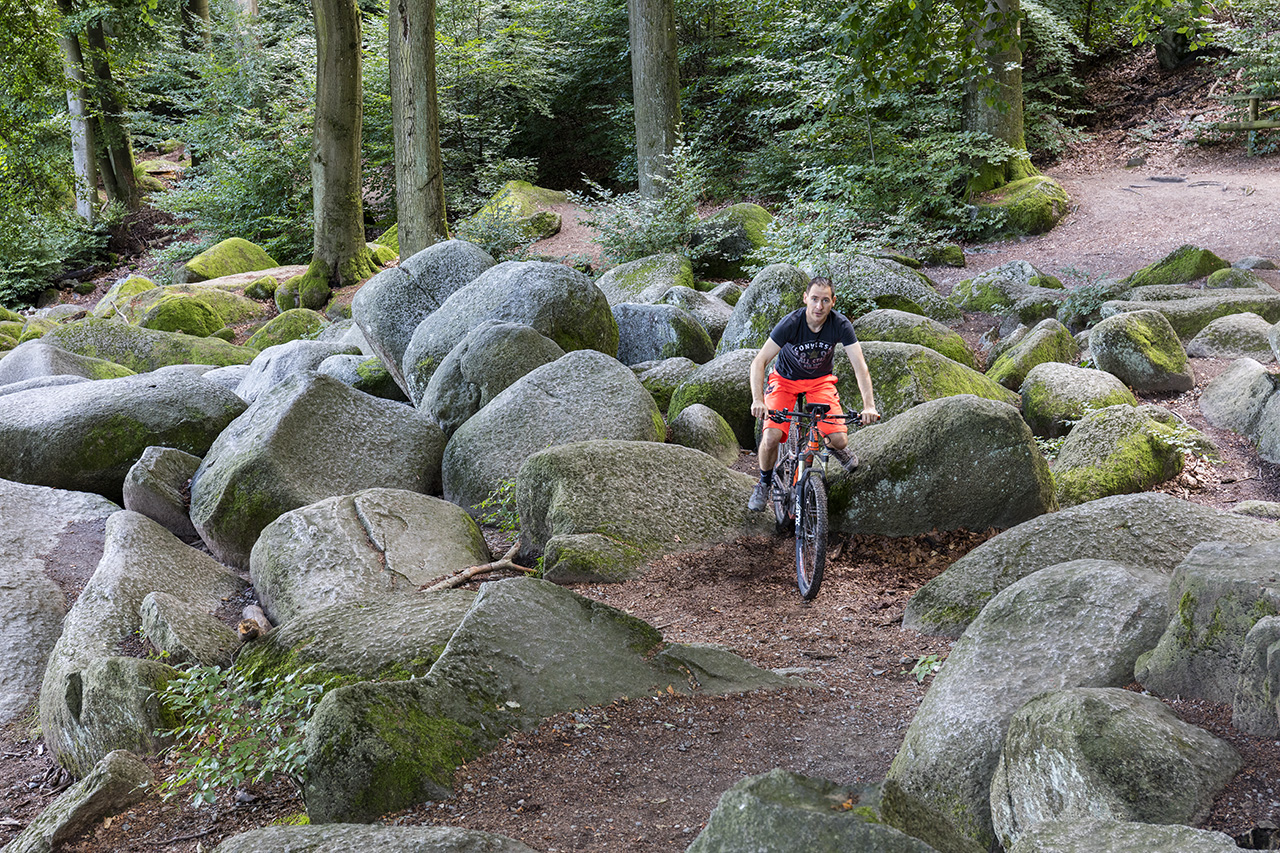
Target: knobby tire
811,536
788,454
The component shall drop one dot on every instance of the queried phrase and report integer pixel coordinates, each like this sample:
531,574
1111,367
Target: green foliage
499,508
36,245
1082,306
497,229
925,666
1050,447
633,227
232,730
1251,34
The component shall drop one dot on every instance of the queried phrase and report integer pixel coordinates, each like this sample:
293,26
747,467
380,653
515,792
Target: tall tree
83,147
993,102
340,255
420,206
115,161
655,84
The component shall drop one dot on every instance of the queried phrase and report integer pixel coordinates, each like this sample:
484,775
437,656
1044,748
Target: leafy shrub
35,246
497,229
232,731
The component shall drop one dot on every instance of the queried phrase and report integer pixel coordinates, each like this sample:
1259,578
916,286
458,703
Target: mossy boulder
1120,450
662,379
1063,755
10,316
36,359
1076,624
1255,708
382,255
1185,263
376,545
647,279
294,324
774,292
999,289
1048,341
781,811
724,386
36,328
369,375
1029,206
161,306
262,289
384,839
390,238
887,324
119,294
729,291
182,314
655,332
521,203
703,429
1232,277
144,350
905,375
1189,315
1235,336
1219,592
1142,350
233,255
652,499
958,462
309,437
711,312
944,255
1115,836
1055,396
862,280
727,239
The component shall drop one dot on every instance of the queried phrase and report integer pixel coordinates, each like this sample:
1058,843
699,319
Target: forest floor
644,773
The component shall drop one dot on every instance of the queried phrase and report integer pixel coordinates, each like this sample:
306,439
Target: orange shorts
781,393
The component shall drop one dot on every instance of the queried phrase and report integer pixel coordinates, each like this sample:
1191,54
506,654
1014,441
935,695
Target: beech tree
340,255
655,85
420,206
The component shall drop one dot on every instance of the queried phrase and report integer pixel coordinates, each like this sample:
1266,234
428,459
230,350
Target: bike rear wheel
783,473
811,536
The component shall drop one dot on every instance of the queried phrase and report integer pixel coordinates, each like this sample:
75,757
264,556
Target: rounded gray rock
652,332
1142,350
703,429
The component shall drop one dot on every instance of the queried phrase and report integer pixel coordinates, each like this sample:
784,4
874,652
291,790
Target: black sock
766,477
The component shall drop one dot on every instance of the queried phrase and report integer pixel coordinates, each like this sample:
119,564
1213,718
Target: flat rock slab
346,838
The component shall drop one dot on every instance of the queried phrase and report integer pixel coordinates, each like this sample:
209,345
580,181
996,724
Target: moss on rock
390,238
1184,264
730,238
144,350
291,325
233,255
1033,205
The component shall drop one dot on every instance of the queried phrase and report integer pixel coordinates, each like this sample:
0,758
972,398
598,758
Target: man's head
819,299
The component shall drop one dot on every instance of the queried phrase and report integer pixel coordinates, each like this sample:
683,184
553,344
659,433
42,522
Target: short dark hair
821,281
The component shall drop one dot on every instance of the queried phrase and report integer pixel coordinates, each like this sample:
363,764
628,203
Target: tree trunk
195,34
994,106
420,212
114,138
655,84
82,140
339,253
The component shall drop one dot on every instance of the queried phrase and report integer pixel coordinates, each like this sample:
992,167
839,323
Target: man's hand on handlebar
759,409
870,415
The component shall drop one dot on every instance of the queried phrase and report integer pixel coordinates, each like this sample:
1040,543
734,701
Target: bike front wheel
811,536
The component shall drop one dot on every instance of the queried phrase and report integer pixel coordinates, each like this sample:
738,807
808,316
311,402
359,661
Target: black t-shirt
806,354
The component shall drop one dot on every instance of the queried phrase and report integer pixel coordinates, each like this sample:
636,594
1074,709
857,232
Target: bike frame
806,420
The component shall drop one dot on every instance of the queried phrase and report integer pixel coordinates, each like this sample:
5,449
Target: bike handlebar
854,418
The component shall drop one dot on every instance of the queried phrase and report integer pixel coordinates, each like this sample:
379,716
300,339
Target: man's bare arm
863,375
759,364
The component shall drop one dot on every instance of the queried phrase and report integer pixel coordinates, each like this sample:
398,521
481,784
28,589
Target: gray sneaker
846,457
759,497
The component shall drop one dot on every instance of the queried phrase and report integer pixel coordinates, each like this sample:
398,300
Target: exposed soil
644,773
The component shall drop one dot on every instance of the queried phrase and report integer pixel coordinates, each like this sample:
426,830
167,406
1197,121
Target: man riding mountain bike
804,343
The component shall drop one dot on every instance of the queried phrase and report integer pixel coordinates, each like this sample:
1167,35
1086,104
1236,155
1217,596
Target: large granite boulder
1007,287
190,308
118,294
1120,450
1195,309
485,363
91,701
39,359
662,379
293,324
372,546
711,312
726,241
905,375
561,303
1219,592
277,363
1142,350
1149,531
159,486
773,293
784,812
1244,335
724,386
45,532
582,396
526,649
654,332
703,429
1047,341
886,284
390,640
1112,836
183,633
143,350
1184,264
1033,205
1055,396
601,509
86,437
232,255
1254,710
1236,398
646,280
391,304
888,324
1092,752
369,375
308,438
342,837
959,462
1077,624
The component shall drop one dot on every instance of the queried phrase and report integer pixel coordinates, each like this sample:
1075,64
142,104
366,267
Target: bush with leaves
231,730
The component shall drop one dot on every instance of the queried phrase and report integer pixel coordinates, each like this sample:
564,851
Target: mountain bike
800,490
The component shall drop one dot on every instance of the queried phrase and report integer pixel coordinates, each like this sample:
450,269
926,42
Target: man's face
818,302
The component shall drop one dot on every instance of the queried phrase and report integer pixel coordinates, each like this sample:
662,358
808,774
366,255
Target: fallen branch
193,836
506,562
